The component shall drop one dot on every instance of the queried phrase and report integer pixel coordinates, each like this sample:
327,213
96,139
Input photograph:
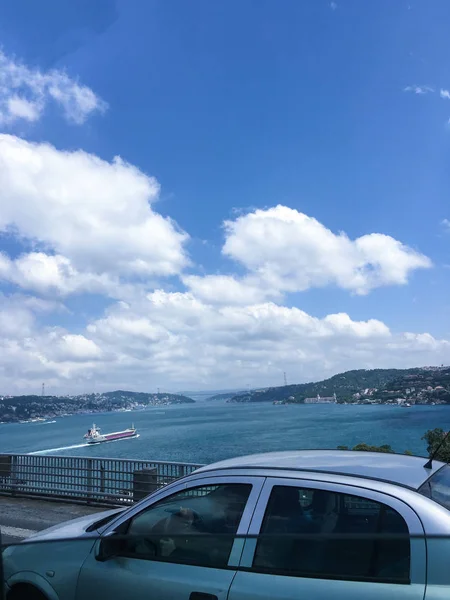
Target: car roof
399,469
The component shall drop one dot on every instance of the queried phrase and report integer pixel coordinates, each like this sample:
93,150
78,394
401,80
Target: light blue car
310,525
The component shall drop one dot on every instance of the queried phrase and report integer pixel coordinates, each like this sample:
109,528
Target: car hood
76,527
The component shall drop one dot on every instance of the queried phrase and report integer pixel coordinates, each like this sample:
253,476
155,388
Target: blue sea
208,431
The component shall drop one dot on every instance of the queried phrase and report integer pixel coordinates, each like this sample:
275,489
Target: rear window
319,533
438,487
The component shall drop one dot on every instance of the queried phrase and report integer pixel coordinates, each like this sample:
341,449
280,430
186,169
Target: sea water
209,431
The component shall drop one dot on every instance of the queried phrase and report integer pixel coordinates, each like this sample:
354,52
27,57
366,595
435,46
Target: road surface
21,517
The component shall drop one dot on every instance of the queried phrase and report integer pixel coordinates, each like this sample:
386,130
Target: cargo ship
94,436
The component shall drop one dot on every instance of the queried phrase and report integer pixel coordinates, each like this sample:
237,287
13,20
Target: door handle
202,596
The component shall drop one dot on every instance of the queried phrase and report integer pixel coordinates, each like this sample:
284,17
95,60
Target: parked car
290,525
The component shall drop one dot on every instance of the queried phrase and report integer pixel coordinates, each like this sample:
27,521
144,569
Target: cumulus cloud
227,289
176,340
446,224
95,216
444,94
54,275
74,347
25,92
290,251
31,353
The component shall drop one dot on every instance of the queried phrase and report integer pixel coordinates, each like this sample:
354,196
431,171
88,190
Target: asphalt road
21,517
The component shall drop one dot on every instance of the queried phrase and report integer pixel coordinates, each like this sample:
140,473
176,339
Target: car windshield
438,487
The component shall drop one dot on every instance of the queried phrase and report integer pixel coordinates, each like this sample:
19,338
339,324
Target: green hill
381,383
22,408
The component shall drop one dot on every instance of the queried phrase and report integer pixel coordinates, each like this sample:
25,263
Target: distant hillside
145,398
379,382
24,408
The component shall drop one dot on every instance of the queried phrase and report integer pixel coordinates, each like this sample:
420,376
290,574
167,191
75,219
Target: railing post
89,479
13,478
102,478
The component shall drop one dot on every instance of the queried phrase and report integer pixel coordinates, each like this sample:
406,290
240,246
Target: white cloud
446,224
25,92
19,108
16,318
289,251
175,340
419,89
30,354
54,275
75,347
226,289
95,216
445,94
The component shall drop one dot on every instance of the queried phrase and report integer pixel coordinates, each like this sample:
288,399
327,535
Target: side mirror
109,546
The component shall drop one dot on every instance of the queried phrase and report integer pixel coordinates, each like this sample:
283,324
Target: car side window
319,533
195,526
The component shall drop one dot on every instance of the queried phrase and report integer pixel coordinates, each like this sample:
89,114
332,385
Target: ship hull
111,437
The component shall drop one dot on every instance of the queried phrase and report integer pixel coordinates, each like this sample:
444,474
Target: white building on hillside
319,400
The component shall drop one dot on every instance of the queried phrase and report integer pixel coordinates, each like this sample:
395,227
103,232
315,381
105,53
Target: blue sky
282,138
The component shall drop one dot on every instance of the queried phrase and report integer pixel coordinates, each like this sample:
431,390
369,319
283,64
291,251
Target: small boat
94,435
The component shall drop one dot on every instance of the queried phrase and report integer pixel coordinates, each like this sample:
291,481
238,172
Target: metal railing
92,480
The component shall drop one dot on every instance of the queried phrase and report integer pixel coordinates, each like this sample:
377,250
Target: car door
182,545
315,540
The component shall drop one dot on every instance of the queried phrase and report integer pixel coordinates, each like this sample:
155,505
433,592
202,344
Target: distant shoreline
20,409
51,418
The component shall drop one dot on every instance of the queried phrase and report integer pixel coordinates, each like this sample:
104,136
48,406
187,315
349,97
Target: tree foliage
438,445
367,448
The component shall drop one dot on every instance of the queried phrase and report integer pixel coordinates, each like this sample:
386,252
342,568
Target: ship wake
50,450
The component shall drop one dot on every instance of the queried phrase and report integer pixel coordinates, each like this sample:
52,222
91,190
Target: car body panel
122,578
70,544
35,580
57,564
74,528
262,586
